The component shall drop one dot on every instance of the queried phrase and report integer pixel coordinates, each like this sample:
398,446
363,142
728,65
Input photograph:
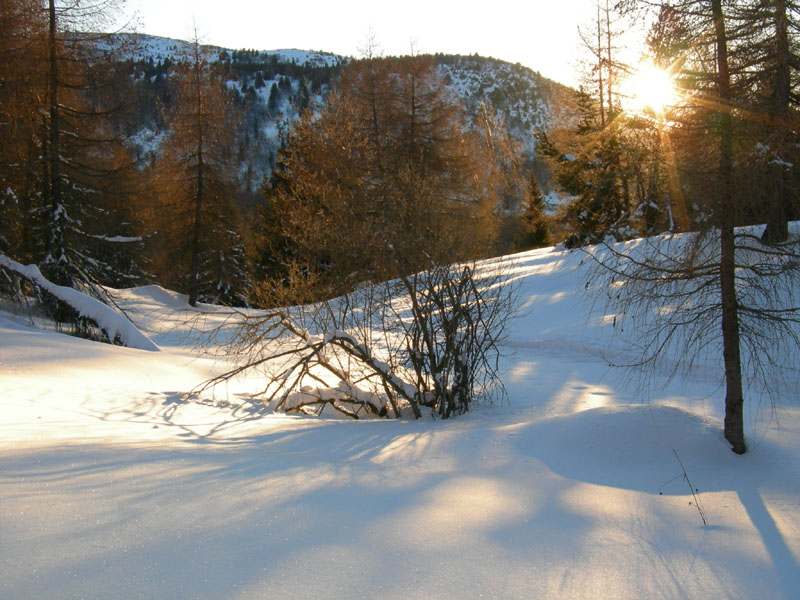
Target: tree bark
609,66
52,239
734,396
194,267
600,69
777,227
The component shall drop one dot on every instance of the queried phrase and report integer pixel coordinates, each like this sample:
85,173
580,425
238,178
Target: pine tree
535,232
595,170
274,99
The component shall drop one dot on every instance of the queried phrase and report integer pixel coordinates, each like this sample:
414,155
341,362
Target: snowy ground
111,486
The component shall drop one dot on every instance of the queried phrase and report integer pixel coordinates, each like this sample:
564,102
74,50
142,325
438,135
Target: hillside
274,85
112,484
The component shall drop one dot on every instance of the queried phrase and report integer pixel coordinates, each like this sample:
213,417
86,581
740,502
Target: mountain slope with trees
100,191
275,85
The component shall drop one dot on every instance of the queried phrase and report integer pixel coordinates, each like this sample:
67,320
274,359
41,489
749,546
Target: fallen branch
115,328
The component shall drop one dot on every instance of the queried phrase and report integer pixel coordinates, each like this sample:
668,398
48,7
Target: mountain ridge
275,85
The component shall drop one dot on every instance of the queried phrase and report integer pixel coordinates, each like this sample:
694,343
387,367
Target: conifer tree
197,220
21,85
274,99
726,289
595,169
385,180
71,173
535,231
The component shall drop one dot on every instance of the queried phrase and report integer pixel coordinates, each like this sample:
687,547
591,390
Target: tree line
719,164
388,176
402,174
75,200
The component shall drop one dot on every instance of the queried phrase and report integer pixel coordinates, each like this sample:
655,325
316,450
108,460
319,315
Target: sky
540,34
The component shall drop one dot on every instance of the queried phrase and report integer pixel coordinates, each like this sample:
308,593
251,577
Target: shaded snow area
113,485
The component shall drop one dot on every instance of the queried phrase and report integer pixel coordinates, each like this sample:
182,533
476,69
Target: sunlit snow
113,485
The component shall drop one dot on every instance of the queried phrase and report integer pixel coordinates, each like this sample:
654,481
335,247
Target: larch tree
84,162
384,179
724,291
21,95
68,169
770,64
198,223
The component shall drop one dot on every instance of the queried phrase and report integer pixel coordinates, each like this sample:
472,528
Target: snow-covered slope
114,485
143,47
274,85
525,100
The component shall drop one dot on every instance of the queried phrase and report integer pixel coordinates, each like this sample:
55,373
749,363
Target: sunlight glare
650,87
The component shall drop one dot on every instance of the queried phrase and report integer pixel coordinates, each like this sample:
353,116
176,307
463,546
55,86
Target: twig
692,489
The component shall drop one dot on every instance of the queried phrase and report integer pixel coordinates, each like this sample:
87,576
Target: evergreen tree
535,232
67,168
224,273
274,99
596,172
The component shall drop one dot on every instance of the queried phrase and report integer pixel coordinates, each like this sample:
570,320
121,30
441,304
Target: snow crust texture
114,485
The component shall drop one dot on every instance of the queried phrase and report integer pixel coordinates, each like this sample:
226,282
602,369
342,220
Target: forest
294,324
194,201
383,173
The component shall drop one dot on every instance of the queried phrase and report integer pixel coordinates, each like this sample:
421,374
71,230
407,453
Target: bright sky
540,34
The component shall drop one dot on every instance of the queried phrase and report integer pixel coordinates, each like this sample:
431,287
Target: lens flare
649,87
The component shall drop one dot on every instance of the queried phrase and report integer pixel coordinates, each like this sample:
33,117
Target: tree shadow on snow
664,450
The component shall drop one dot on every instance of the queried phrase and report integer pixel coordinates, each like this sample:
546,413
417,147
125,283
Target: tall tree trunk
777,229
375,120
609,64
600,69
53,236
194,267
734,396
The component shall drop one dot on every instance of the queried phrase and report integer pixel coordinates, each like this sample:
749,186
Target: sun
649,87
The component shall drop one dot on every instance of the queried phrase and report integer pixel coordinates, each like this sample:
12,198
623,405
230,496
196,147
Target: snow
309,58
142,47
113,483
114,324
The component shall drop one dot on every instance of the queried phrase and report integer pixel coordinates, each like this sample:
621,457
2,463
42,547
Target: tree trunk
777,218
194,267
600,69
609,66
53,241
734,396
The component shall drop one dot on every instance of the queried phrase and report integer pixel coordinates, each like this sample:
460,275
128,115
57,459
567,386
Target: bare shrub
426,341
